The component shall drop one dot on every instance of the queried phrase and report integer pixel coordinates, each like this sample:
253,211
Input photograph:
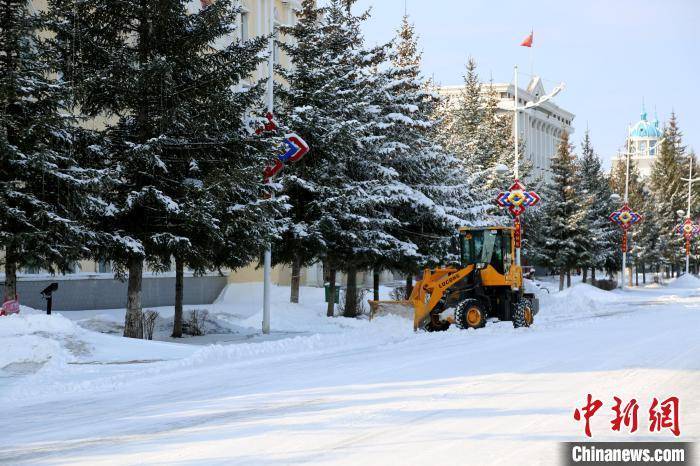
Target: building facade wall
540,129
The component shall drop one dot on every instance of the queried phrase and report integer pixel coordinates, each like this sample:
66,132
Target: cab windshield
486,247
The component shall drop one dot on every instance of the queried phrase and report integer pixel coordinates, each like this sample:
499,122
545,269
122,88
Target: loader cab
487,246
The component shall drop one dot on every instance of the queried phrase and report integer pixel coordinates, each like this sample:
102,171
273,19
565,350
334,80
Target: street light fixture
517,198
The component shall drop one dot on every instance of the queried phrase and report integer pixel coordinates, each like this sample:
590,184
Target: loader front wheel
523,314
470,313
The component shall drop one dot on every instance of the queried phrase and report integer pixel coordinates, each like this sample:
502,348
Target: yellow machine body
437,283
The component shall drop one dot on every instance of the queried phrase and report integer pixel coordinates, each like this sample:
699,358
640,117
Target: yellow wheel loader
488,284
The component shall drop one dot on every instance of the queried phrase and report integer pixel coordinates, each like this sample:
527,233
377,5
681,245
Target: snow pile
579,300
685,281
31,339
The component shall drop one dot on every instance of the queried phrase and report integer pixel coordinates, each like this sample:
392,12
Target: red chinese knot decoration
625,219
688,230
516,199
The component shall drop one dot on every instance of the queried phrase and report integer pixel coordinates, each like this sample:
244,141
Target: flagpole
532,55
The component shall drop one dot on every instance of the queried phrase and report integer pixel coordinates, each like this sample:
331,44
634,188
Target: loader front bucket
410,309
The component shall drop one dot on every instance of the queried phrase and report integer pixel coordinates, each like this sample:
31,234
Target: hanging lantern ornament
517,199
688,230
625,218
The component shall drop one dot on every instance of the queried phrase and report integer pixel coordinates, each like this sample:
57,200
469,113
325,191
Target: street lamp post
267,259
626,217
688,228
517,198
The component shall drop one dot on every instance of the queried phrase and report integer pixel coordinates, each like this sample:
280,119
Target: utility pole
267,261
626,200
688,221
516,199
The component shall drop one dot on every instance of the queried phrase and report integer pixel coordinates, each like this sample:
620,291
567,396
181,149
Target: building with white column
540,128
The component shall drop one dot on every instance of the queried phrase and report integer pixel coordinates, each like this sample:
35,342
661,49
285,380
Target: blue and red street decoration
625,218
688,230
517,199
295,149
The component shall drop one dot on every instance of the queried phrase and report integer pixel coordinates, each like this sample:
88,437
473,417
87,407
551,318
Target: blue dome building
644,136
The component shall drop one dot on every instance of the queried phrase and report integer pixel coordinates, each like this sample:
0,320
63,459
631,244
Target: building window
245,31
104,267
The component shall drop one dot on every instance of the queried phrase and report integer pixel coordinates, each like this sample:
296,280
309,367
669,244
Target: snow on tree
669,191
44,192
186,172
433,193
558,240
600,237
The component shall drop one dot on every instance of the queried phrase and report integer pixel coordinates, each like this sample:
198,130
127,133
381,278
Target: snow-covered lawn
344,391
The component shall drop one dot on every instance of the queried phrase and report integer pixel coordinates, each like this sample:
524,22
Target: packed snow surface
343,391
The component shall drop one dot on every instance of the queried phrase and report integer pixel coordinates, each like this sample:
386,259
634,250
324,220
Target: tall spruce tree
669,196
599,236
432,192
175,128
337,193
559,235
44,190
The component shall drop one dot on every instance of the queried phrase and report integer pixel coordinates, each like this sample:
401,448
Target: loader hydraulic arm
435,283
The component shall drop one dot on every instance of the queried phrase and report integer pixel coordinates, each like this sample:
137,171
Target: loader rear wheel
470,313
523,314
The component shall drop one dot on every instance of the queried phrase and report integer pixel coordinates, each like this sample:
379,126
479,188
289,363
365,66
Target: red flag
528,40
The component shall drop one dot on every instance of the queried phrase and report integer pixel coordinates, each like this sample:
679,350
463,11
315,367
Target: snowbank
30,339
685,281
579,300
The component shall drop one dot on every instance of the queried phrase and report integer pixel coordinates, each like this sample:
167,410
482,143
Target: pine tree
180,155
476,133
669,195
599,238
562,213
44,191
337,192
431,194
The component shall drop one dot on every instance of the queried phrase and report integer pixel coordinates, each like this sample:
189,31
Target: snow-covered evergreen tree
669,194
44,191
434,193
175,140
599,239
559,236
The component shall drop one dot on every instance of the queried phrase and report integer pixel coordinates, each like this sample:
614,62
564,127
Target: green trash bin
327,287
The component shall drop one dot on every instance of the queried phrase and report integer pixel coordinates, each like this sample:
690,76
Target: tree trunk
179,286
375,284
585,274
561,279
592,275
330,310
133,326
568,278
350,309
644,273
409,286
636,276
10,278
296,279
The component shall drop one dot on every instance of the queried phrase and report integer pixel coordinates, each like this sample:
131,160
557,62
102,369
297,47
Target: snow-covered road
376,393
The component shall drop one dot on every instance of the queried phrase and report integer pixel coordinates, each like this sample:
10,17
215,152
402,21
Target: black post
47,293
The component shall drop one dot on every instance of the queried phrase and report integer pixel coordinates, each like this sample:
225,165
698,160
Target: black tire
470,313
523,313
